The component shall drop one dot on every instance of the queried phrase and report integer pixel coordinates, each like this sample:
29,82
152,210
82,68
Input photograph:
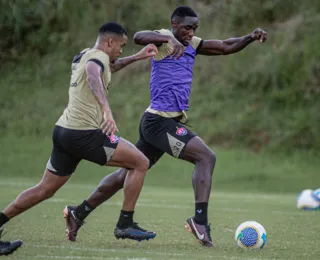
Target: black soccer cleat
133,232
7,248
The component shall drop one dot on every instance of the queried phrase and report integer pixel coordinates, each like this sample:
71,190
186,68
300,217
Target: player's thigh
111,150
152,153
61,161
166,134
98,147
197,150
126,155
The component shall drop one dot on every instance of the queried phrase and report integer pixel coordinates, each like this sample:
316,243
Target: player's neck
98,46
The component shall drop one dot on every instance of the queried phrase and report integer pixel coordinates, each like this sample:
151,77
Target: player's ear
174,23
109,42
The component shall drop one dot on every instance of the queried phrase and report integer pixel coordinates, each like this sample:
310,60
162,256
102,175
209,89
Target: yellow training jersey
83,111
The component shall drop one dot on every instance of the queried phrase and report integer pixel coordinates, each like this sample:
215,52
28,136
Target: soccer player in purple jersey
162,128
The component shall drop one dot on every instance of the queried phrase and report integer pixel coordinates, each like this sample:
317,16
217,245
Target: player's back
83,111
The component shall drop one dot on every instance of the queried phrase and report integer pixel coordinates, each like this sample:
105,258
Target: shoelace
135,225
208,229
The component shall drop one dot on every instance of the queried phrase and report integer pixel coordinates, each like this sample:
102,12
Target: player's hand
177,48
109,126
259,35
148,51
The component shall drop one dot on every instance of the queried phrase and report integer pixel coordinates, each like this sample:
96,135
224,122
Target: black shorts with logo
71,146
159,135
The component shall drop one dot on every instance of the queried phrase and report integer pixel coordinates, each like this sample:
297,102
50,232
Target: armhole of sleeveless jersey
199,46
97,62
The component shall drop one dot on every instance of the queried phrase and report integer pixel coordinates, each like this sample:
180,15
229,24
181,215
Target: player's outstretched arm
149,51
231,45
147,37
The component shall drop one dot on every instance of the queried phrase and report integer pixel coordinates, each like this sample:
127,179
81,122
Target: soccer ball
316,195
251,235
308,200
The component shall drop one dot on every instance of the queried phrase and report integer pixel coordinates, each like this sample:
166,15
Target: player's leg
59,168
111,184
45,189
198,153
113,151
129,157
175,139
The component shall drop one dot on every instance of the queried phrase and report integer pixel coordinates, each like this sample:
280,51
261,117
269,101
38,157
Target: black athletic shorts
71,146
159,135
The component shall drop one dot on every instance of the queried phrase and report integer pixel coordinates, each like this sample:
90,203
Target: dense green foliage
266,96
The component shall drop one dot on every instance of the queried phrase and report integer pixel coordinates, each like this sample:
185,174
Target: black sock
83,210
201,215
3,219
125,219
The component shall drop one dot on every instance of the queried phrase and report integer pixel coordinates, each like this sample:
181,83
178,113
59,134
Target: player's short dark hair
112,27
183,11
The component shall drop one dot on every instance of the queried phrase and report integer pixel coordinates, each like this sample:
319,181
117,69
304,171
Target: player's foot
133,232
7,248
201,232
73,224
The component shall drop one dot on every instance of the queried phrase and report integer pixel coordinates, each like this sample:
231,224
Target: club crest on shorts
181,131
114,139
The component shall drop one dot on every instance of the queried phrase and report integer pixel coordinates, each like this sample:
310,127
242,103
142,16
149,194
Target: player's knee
209,157
143,164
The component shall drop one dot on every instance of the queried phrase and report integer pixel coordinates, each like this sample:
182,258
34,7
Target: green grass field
292,234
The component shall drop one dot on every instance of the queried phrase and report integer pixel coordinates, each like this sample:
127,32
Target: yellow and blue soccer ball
251,235
309,200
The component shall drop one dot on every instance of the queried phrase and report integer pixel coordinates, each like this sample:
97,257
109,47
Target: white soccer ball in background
306,200
251,235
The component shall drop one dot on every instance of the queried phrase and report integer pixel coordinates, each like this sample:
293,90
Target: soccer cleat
73,224
201,232
7,248
133,232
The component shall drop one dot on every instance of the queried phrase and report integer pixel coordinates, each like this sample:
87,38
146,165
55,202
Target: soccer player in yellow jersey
86,131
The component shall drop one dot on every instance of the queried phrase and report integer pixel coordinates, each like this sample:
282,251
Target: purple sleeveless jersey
170,83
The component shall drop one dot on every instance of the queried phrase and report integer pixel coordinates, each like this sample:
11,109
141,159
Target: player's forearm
96,87
146,37
233,45
121,63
